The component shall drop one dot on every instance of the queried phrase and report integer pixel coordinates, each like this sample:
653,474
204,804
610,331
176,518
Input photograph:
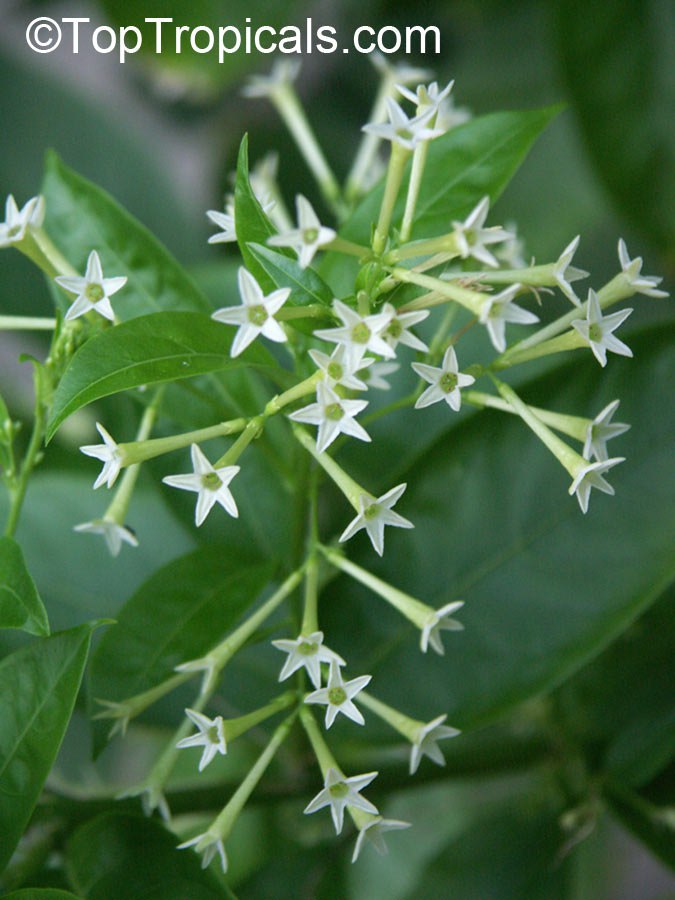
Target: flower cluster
381,324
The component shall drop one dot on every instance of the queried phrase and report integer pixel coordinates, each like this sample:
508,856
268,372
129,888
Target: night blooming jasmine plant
386,334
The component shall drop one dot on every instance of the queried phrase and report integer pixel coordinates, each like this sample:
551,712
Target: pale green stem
26,323
239,725
445,244
414,610
133,706
135,452
222,826
340,245
117,510
512,357
566,456
223,652
397,162
297,392
286,101
251,432
399,721
310,618
574,426
324,757
39,247
471,300
369,142
416,173
311,311
350,488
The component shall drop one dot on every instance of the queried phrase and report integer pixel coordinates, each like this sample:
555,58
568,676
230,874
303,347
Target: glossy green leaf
655,825
546,588
151,349
135,858
251,223
627,122
41,894
38,687
20,604
82,217
621,707
464,165
306,286
178,614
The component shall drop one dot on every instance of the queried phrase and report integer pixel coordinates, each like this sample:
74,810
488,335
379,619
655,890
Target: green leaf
151,349
41,894
38,687
624,720
546,588
653,824
178,614
82,217
135,858
251,222
306,286
627,123
20,604
463,166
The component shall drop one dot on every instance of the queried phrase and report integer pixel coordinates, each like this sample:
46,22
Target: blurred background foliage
161,134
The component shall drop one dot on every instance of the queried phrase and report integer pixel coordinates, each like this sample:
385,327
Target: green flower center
448,382
335,371
338,790
94,293
211,481
307,648
212,735
13,231
336,696
404,133
361,333
334,412
372,511
395,329
595,333
309,235
257,315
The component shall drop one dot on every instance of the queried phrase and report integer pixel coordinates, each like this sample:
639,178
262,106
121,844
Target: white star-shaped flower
597,330
426,742
110,455
225,221
498,309
306,651
472,238
333,415
426,95
338,695
565,273
591,477
307,237
152,798
438,621
121,713
511,254
397,330
283,73
208,845
13,229
632,268
211,736
445,382
359,334
113,533
403,130
340,368
340,792
376,376
94,291
256,314
210,484
372,832
374,514
601,430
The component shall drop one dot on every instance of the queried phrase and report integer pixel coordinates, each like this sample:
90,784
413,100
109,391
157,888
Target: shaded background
161,135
